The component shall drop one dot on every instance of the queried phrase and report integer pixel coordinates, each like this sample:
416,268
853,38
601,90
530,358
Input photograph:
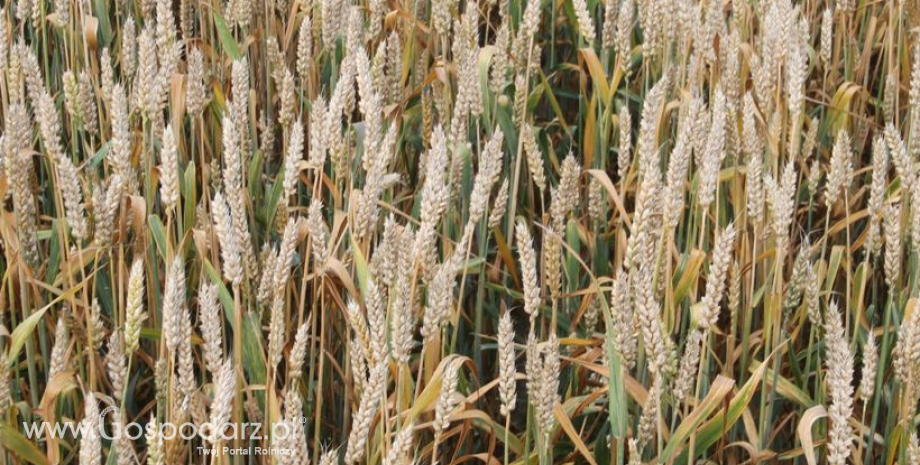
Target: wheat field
507,232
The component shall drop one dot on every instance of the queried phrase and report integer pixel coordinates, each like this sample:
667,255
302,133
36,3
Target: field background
450,231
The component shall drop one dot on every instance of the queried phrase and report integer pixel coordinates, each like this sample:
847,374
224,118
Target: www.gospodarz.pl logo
167,431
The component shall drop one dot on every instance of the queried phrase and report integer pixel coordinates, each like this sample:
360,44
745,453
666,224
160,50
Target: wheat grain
625,19
528,270
287,114
877,193
624,326
117,364
318,135
507,370
210,319
827,36
367,408
568,186
435,193
903,164
839,174
547,396
5,399
169,169
839,387
440,300
781,202
648,422
305,49
714,152
869,366
71,95
447,400
4,46
72,193
146,85
174,309
87,97
292,159
229,252
796,68
276,332
647,309
678,165
534,156
236,192
689,362
585,22
401,449
224,391
90,443
317,228
19,169
394,68
499,205
892,230
715,283
59,359
196,93
552,250
96,325
298,352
